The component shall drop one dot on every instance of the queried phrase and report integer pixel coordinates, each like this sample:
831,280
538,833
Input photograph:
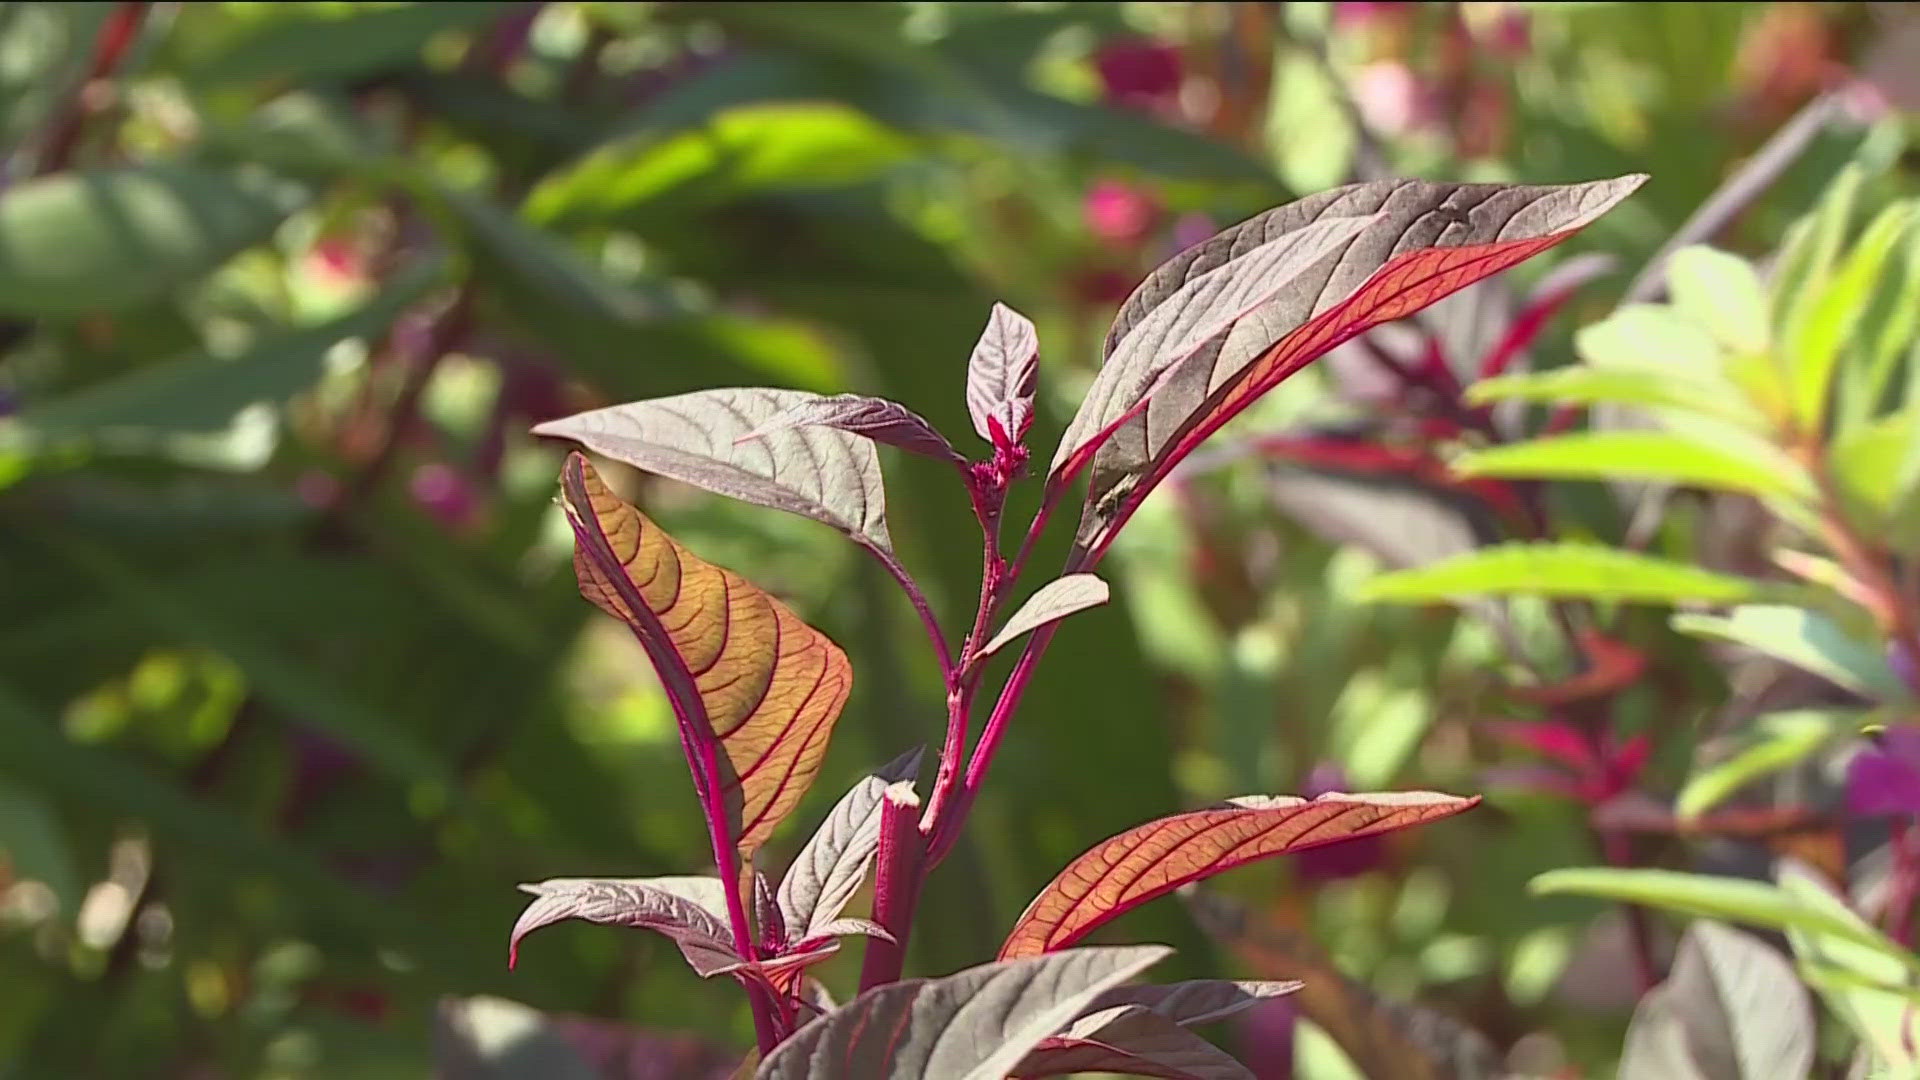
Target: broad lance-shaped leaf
1002,374
830,868
692,911
1156,858
1202,308
1425,241
974,1025
740,668
817,472
1738,1009
876,418
1131,1041
1052,602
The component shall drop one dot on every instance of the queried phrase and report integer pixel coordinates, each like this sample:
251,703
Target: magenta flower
1884,778
1139,73
1120,213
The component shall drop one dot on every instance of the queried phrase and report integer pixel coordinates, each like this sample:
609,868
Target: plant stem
116,38
1906,882
896,891
1619,852
947,830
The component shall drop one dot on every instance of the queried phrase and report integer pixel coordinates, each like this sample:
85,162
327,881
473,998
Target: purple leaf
975,1025
1423,241
822,473
1733,1009
840,928
875,418
1052,602
1001,375
831,866
689,910
1134,1041
1198,1001
767,917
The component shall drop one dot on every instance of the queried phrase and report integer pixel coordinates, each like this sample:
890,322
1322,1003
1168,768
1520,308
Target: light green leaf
1866,978
1592,385
1650,337
113,239
1722,293
1558,570
1641,455
1778,741
1814,338
1813,243
1805,639
1875,467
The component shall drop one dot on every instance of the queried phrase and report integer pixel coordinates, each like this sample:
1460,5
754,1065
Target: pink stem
896,887
948,829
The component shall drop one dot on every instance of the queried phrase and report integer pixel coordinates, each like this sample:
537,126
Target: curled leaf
1423,242
822,473
689,910
876,418
741,668
1132,1041
1052,602
1002,373
1156,858
830,867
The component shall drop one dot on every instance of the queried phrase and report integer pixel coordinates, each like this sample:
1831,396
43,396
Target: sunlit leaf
1739,1009
1863,976
113,239
828,475
1001,375
741,668
1638,455
1722,293
1556,570
1154,859
1593,385
1778,741
878,419
832,865
1814,340
975,1025
1131,1041
1052,602
1424,241
692,911
1805,639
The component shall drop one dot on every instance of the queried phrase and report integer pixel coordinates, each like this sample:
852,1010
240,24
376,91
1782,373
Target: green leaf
1714,897
302,44
1722,293
1591,385
1650,337
1865,977
1874,465
1640,455
1814,338
33,845
1805,639
1558,570
203,392
1778,741
109,240
1813,243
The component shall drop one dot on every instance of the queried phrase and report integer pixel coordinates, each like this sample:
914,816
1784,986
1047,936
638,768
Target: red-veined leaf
1426,241
1156,858
741,669
829,869
974,1025
692,911
876,418
822,473
1132,1041
1052,602
1002,373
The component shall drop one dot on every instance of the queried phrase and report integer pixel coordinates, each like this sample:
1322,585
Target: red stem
901,861
1906,883
117,36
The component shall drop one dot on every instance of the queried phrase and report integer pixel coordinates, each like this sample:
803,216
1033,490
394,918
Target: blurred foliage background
294,682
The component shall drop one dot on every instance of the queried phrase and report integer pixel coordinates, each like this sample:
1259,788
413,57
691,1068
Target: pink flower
444,494
1392,99
1119,213
1139,73
1362,13
317,489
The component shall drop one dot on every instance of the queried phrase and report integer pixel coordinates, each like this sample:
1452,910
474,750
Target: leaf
1814,342
1198,1001
487,1038
833,863
1780,741
974,1025
297,45
1807,640
1002,373
1180,327
875,418
1639,455
1131,1041
741,668
692,911
114,239
1400,523
1587,384
1154,859
34,846
204,393
1557,570
1057,599
1740,1009
1424,241
827,475
1864,977
1722,293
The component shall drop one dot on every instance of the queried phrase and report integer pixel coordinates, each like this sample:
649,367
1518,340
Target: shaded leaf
1778,741
1154,859
300,45
876,418
1807,640
113,239
741,668
831,866
1132,1041
34,845
1057,599
1740,1009
827,475
691,911
974,1025
1556,570
1594,385
1001,375
1402,524
1197,1001
485,1038
1424,242
1639,455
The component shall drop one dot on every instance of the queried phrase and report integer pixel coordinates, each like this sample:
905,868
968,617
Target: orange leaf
1156,858
743,671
